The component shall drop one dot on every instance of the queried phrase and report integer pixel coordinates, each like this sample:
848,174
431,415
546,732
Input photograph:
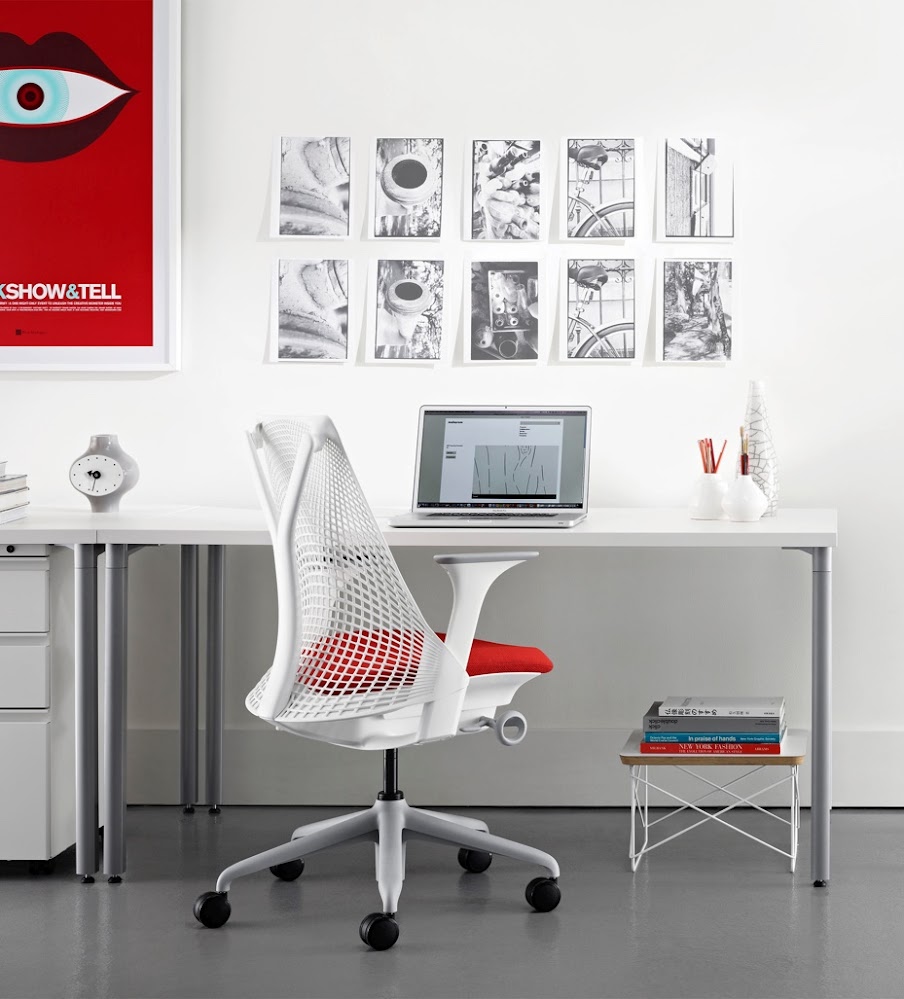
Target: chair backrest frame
360,572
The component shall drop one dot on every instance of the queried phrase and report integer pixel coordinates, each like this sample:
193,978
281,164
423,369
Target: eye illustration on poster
697,189
88,144
506,189
599,310
697,308
311,311
313,184
409,310
408,188
505,310
599,196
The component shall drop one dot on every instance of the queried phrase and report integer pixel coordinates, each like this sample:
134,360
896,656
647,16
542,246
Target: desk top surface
605,527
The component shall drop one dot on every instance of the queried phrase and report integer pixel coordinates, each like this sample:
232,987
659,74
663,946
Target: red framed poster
89,156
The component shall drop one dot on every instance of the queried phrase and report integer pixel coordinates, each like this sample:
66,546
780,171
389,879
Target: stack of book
717,725
13,496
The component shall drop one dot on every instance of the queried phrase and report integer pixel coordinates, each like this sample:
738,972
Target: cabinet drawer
24,599
24,671
24,791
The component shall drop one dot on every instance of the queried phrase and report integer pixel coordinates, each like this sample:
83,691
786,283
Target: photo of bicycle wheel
599,321
599,195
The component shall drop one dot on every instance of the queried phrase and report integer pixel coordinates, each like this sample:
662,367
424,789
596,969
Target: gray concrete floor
711,914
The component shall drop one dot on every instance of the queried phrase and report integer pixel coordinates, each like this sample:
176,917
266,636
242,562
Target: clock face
96,475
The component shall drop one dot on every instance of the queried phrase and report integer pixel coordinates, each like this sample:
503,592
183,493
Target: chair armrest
472,575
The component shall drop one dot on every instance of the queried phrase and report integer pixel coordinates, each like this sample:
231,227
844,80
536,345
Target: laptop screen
505,458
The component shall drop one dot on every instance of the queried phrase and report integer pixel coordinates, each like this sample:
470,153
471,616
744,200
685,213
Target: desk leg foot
87,879
115,879
819,883
214,810
188,809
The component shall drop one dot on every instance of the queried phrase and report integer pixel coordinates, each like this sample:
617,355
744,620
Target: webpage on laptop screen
497,460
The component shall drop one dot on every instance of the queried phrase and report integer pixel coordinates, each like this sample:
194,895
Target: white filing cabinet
37,744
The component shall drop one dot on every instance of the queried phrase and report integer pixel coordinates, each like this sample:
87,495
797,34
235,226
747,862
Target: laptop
500,466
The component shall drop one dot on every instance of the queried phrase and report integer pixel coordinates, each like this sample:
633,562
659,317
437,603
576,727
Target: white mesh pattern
362,645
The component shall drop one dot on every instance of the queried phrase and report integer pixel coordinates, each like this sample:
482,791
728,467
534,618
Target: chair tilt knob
510,727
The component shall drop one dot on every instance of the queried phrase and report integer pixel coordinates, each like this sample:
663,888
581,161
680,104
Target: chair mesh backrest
362,646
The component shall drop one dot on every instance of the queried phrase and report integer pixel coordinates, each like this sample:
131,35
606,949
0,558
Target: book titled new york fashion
765,707
653,721
712,748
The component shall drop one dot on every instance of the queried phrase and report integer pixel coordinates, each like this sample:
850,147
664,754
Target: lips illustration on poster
57,96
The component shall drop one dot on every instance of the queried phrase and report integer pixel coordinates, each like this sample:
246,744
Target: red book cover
76,170
711,748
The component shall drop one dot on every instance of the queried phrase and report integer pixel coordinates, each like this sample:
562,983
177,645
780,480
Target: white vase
706,499
761,450
744,500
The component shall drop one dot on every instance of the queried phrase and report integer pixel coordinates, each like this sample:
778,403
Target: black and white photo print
696,319
505,310
409,319
599,196
408,188
599,320
312,310
698,199
314,186
506,189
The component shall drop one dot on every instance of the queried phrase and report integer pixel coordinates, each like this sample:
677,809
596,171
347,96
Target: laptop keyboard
494,514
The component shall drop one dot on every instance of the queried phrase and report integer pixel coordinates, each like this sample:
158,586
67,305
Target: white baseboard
568,768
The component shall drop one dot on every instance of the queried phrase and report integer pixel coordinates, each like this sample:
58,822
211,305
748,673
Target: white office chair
357,665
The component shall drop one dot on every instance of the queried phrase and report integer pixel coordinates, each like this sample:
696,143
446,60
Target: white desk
811,531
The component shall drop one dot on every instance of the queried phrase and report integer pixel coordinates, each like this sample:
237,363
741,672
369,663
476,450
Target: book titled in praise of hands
743,707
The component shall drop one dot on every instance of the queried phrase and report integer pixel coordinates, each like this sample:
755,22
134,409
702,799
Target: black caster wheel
288,871
41,867
213,810
188,809
212,909
379,930
820,884
475,861
87,879
115,879
543,894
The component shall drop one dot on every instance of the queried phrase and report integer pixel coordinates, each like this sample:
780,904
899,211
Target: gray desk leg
821,721
116,577
87,859
188,657
215,623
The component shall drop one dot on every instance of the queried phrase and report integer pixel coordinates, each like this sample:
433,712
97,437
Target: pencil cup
706,499
744,500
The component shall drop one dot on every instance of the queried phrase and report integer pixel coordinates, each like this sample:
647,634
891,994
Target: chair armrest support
467,557
472,575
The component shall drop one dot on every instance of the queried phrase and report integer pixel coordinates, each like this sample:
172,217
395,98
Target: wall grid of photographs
594,267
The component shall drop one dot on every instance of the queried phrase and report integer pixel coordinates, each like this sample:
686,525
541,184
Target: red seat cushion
494,657
363,661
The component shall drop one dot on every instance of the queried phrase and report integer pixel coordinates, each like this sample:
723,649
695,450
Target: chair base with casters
389,823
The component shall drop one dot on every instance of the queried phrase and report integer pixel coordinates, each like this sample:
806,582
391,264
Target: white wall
812,90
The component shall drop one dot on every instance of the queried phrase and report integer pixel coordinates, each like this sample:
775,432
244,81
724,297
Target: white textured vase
706,499
761,450
744,500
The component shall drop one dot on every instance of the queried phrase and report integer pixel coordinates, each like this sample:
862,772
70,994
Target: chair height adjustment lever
510,727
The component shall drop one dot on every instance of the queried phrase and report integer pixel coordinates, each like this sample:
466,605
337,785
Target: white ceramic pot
706,499
744,500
